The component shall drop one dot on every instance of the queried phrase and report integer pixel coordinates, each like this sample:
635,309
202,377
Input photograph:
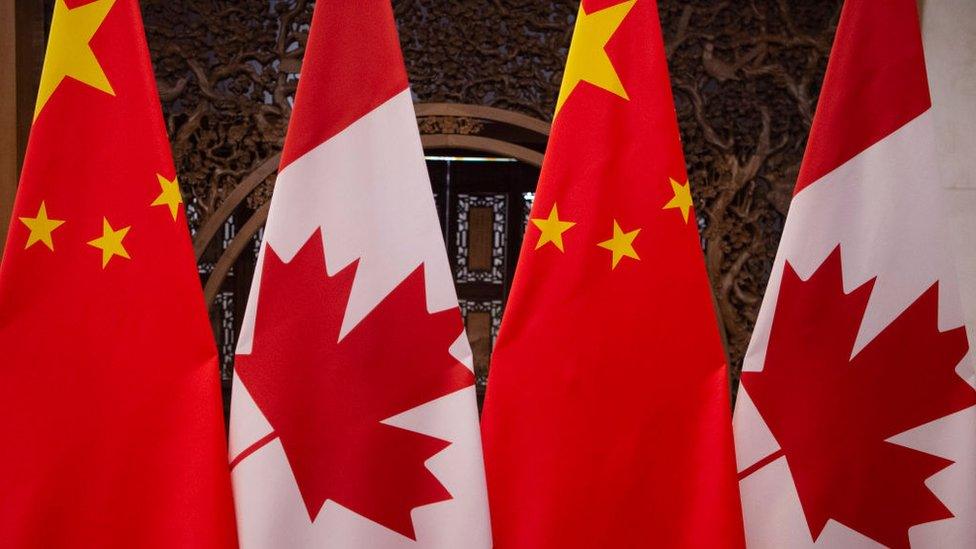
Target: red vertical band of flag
362,69
891,88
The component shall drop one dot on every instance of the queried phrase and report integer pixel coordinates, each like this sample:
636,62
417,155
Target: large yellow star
41,227
622,244
681,200
110,242
587,59
170,195
68,52
552,229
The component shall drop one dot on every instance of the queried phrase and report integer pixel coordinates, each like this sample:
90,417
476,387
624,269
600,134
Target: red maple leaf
326,398
832,413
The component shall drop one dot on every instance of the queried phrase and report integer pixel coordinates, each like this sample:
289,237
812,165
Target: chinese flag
856,420
109,401
607,419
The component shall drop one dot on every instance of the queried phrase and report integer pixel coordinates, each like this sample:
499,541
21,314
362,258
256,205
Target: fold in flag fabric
855,422
353,420
110,398
607,420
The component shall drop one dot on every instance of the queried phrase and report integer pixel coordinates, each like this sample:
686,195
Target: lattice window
527,200
482,318
227,334
481,238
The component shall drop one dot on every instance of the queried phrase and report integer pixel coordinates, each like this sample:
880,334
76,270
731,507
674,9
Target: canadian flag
855,422
353,420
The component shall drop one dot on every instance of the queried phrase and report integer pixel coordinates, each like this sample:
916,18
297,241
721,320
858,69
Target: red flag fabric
353,419
110,402
607,417
856,419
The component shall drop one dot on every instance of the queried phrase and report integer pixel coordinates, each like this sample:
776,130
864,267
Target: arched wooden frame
469,142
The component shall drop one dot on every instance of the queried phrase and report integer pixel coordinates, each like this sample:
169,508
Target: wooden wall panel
23,26
480,232
8,115
33,20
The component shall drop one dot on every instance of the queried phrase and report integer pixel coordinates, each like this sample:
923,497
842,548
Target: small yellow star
587,59
682,198
110,242
68,53
170,195
41,228
552,229
622,244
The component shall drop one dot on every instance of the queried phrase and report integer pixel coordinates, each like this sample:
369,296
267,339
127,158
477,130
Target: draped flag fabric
109,398
855,421
607,420
353,420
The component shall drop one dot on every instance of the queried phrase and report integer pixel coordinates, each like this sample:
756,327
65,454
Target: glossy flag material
607,418
353,419
856,418
109,400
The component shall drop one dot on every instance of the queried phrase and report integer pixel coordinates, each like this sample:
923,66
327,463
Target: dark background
745,75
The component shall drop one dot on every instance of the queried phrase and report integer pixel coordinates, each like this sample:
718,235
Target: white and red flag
353,421
855,422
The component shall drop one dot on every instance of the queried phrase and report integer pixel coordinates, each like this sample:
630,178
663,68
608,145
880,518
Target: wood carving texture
745,76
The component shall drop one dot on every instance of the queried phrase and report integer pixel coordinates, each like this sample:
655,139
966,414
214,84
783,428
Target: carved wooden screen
745,75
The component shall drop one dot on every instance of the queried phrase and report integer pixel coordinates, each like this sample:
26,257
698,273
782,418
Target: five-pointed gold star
41,227
170,195
682,198
68,53
110,242
622,244
587,59
552,229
